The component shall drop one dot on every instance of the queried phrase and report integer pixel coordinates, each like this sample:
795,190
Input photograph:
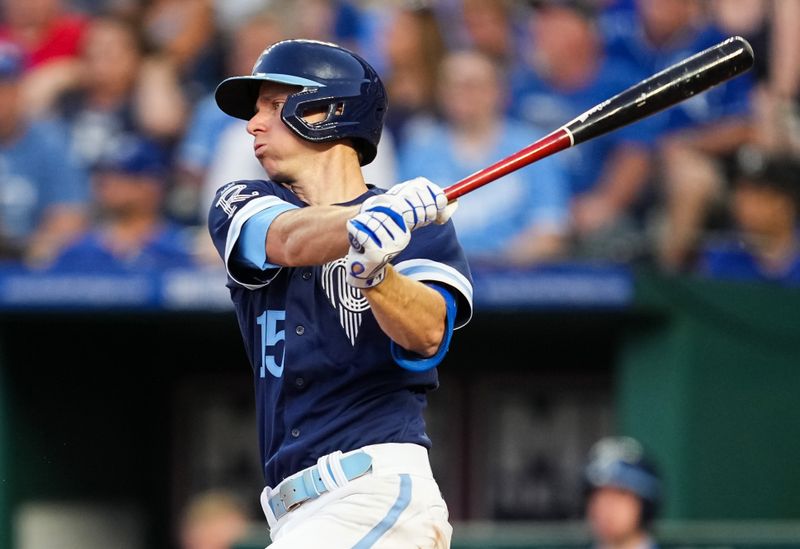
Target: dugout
113,408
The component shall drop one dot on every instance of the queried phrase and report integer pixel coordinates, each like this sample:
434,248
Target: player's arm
309,236
411,313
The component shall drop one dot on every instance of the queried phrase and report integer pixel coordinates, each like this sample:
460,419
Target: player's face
282,153
614,515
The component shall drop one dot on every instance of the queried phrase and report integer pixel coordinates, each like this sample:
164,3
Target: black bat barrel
664,89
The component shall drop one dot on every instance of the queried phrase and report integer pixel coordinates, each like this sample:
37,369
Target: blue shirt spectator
735,261
44,193
698,137
765,243
522,219
627,41
132,234
540,102
566,74
493,216
37,174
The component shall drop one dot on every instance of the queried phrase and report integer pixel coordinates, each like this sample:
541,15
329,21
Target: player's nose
258,123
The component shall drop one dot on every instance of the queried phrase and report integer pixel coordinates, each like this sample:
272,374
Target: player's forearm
309,236
409,312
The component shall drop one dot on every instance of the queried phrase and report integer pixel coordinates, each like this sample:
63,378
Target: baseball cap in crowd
136,155
12,61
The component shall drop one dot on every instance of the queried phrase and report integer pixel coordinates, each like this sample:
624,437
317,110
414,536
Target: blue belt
309,485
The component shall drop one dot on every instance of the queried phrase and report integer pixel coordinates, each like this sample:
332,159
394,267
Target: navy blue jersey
324,373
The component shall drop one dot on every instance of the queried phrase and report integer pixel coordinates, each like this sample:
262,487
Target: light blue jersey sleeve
252,250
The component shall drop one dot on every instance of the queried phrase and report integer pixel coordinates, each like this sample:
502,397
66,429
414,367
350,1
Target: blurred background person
340,21
216,148
122,91
778,100
49,33
522,219
697,138
623,493
491,26
130,232
567,73
44,192
185,33
764,244
411,49
213,519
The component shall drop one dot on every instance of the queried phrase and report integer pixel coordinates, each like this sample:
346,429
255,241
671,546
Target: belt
331,471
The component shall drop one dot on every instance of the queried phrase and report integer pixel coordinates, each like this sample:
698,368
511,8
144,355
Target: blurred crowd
111,143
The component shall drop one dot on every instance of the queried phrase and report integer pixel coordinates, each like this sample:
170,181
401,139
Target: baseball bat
664,89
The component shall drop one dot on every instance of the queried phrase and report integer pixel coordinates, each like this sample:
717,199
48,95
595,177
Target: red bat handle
547,145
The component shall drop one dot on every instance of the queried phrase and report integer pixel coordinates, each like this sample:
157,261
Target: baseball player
346,296
623,493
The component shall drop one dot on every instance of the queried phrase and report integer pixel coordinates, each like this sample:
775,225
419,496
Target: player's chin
277,175
271,167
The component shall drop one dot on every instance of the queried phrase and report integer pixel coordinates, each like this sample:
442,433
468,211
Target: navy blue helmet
620,462
331,78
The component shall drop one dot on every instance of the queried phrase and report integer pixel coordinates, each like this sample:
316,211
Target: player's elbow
429,341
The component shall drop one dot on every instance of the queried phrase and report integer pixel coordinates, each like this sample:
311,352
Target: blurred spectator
522,219
412,46
491,27
778,99
132,233
122,92
49,34
567,74
338,21
43,191
186,34
215,147
765,245
698,137
623,493
212,520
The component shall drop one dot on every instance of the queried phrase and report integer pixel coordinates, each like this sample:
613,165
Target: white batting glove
376,236
425,202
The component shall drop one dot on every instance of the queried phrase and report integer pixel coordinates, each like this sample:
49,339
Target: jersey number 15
270,336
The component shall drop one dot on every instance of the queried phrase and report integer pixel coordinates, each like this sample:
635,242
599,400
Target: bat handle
547,145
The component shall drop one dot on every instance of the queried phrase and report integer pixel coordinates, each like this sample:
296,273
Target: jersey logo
348,301
230,196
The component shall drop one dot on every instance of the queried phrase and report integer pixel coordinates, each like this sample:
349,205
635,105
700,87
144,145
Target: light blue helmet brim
236,96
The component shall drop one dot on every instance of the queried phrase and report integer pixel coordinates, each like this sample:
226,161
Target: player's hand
425,202
376,235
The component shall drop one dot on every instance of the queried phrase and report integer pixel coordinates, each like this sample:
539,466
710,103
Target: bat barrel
674,84
664,89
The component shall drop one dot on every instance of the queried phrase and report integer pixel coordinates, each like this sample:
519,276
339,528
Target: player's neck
332,178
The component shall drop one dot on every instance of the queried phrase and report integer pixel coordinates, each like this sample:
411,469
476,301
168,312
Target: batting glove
424,202
376,235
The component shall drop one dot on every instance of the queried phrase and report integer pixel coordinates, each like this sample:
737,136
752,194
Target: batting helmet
331,78
620,462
